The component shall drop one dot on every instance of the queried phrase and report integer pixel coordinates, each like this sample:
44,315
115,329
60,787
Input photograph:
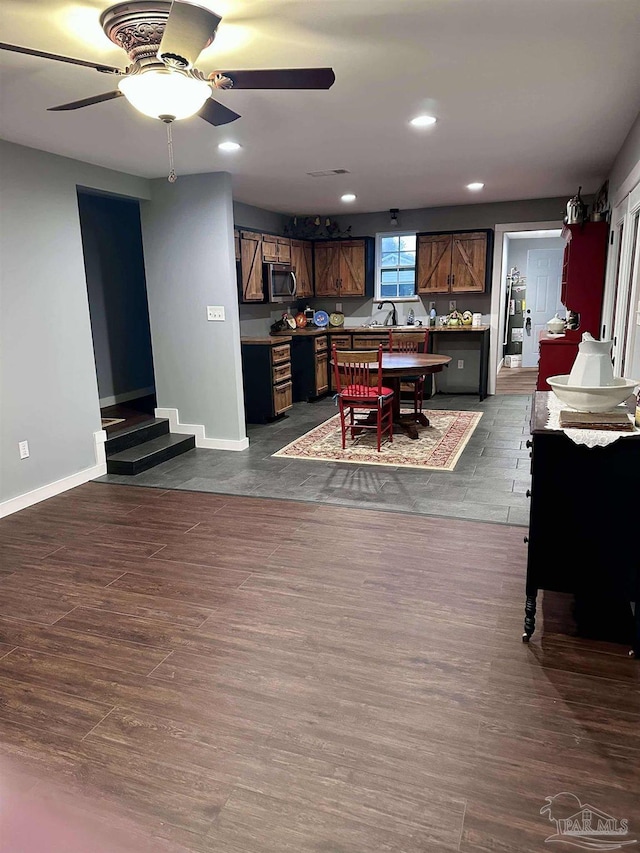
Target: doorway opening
525,294
116,287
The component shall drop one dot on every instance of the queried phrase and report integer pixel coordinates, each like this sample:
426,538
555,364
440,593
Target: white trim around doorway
498,285
197,430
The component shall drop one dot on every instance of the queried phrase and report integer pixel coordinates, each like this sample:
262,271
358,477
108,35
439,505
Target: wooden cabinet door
327,269
284,250
251,267
351,275
433,263
270,248
302,262
322,372
468,262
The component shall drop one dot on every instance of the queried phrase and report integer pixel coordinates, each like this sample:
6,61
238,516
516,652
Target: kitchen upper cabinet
302,262
276,249
250,274
327,269
236,241
344,267
453,262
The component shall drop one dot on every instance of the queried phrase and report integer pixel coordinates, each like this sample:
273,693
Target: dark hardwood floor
182,671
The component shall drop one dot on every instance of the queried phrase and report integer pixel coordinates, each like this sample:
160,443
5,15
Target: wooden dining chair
417,341
359,388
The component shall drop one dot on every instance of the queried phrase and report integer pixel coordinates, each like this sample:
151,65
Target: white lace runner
590,437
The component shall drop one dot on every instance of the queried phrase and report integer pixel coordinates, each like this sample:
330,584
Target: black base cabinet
266,368
582,525
310,360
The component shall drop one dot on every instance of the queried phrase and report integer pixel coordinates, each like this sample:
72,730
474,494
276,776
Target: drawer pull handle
528,443
526,540
528,493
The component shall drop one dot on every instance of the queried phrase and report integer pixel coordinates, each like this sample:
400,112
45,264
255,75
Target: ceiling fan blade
281,78
216,113
107,69
86,102
189,29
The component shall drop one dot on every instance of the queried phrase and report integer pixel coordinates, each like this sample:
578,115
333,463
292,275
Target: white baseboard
124,398
198,431
51,489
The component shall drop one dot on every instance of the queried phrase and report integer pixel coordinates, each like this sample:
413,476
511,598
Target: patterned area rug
438,446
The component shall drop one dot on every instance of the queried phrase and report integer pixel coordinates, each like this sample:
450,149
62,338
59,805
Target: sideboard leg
529,617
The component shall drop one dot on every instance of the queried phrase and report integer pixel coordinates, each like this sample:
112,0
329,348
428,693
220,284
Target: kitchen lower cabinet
582,498
310,367
267,375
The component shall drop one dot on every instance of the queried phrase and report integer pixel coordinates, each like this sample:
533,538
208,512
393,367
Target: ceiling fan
163,40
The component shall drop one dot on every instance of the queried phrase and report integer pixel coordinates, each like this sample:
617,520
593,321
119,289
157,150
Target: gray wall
627,158
248,216
459,217
114,266
187,232
48,389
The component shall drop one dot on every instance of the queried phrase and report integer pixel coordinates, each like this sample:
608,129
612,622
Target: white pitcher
593,367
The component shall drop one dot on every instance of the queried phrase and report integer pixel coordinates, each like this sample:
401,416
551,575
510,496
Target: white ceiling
533,97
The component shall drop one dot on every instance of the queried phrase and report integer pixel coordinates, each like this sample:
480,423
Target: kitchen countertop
364,330
266,339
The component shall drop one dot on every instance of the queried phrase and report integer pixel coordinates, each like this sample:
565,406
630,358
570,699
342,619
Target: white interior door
544,282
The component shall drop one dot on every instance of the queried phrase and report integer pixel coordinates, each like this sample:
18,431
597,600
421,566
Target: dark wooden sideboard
583,523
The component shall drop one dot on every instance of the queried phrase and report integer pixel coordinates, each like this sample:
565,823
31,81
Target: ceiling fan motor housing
138,29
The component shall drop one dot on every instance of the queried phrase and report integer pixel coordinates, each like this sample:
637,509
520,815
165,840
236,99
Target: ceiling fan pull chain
172,174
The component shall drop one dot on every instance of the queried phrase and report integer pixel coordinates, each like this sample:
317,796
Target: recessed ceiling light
348,197
423,121
229,146
475,186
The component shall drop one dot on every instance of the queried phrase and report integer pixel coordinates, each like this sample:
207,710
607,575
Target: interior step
141,457
136,433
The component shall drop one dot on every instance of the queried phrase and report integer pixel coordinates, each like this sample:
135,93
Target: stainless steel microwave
279,282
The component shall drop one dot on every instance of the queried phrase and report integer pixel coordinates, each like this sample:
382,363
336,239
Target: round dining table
397,366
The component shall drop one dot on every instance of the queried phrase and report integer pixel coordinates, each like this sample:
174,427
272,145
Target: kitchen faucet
393,313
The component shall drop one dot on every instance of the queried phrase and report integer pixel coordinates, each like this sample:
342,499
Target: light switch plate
338,306
215,312
23,447
452,305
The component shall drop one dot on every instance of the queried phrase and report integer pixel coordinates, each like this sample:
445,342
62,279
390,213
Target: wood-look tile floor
182,671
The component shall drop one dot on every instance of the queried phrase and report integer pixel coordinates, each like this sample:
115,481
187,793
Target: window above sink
396,266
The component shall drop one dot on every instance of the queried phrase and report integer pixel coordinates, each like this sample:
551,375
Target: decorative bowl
583,398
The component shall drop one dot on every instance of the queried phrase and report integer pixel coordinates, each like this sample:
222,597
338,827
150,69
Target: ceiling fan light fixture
229,146
165,93
348,197
475,186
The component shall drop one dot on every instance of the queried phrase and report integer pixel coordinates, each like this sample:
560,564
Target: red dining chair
358,381
411,342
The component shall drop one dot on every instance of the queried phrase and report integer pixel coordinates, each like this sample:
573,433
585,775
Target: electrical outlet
339,306
215,312
23,447
432,305
452,305
460,364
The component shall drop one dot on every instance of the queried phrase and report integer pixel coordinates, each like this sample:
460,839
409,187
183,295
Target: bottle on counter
411,317
432,317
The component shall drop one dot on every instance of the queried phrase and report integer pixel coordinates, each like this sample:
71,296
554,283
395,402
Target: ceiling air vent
326,173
